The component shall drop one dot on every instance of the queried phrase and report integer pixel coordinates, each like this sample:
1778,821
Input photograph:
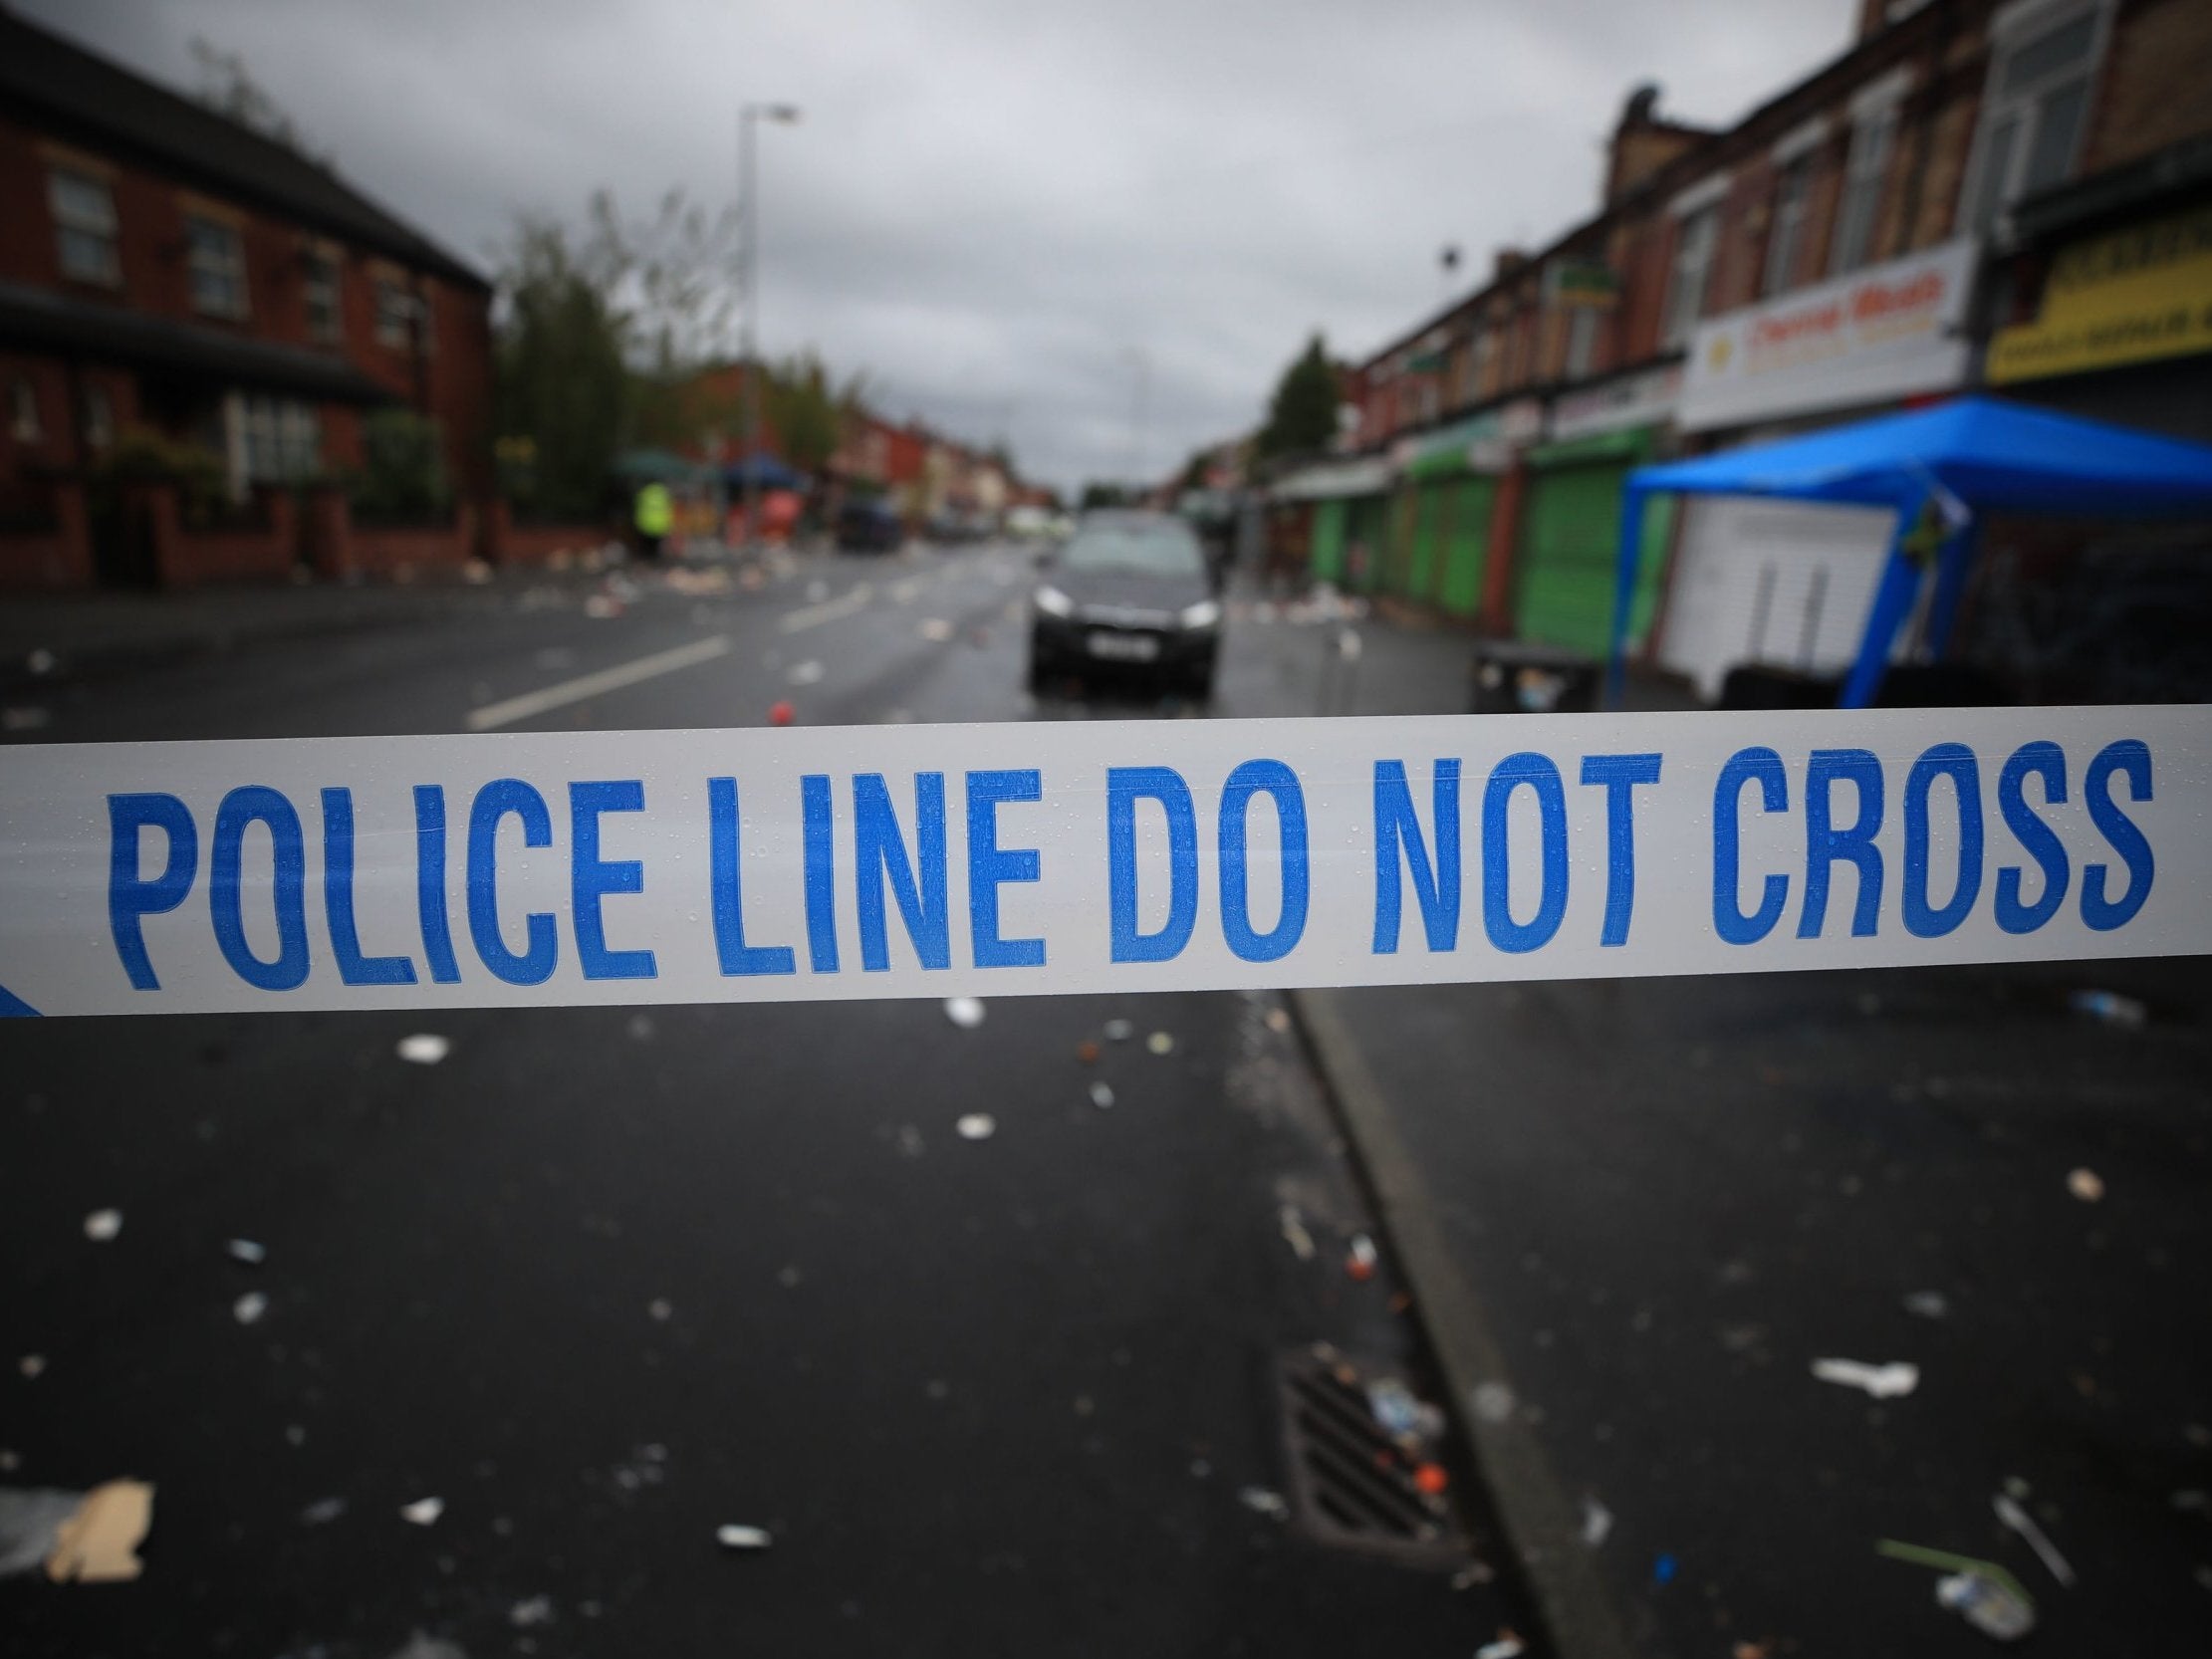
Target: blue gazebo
1938,470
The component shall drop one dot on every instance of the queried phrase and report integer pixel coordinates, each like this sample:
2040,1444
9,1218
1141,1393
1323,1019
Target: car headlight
1052,603
1204,614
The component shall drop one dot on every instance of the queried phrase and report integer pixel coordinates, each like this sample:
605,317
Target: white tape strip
872,861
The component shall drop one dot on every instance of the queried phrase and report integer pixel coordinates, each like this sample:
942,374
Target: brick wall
2157,87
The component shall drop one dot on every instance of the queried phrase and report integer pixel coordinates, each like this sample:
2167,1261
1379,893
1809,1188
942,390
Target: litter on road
1102,1095
1295,1233
1597,1522
809,672
536,1610
964,1012
1987,1596
29,1519
2015,1516
1360,1262
1928,1305
423,1511
1506,1645
246,1251
424,1048
98,1543
322,1511
1160,1042
1261,1501
977,1125
935,629
732,1536
2086,1184
32,1365
103,1225
248,1308
1119,1031
2110,1008
1891,1381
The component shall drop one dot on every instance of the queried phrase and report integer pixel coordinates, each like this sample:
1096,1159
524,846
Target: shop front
1446,504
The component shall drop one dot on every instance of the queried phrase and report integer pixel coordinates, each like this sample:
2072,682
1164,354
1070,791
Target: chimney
1507,261
1643,143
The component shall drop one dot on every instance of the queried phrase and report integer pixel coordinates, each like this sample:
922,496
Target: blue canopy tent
1937,469
762,469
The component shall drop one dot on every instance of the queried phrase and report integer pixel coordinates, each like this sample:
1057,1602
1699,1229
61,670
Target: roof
85,97
1992,455
64,324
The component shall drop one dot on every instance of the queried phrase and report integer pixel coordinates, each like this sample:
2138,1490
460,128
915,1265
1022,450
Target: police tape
762,866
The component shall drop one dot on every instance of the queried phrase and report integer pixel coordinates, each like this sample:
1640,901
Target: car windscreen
1136,550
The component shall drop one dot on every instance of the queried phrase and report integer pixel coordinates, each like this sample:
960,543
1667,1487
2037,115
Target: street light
748,117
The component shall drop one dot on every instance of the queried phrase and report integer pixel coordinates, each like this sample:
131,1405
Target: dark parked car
1130,594
868,527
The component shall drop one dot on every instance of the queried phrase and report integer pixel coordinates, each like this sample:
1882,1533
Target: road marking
904,592
828,611
493,715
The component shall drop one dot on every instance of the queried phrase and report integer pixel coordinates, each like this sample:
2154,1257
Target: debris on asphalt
2086,1184
2110,1008
103,1225
1891,1381
1751,1650
640,1027
1278,1019
1262,1501
1430,1479
1360,1261
29,1519
964,1012
1395,1410
40,661
1928,1305
2015,1516
246,1251
248,1308
424,1048
977,1125
423,1511
25,719
1087,1051
781,713
1102,1095
1597,1522
1473,1574
421,1646
536,1610
935,629
809,672
9,1461
32,1365
1987,1596
1506,1646
1160,1042
1493,1401
909,1141
1664,1570
603,607
1295,1233
789,1275
322,1511
731,1535
661,1310
1118,1031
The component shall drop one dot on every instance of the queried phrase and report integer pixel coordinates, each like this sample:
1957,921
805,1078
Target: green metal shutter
1429,530
1467,548
1366,535
1328,544
1569,537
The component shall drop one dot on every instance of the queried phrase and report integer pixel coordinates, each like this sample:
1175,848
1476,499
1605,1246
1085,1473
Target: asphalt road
604,1281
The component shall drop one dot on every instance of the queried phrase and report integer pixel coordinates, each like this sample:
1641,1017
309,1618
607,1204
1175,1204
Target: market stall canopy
1334,479
762,469
641,465
1972,456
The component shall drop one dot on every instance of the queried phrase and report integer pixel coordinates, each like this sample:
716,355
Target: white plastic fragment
423,1511
659,1309
322,1511
248,1308
1493,1401
1102,1095
246,1251
977,1125
1261,1501
731,1535
1928,1305
2012,1515
935,629
2110,1008
535,1610
809,672
1160,1042
1995,1609
2086,1184
424,1048
32,1365
1118,1031
964,1012
103,1225
1892,1381
1294,1232
1507,1646
1597,1522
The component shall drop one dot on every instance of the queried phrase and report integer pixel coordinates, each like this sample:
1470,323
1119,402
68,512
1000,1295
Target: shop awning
1937,469
1333,480
40,319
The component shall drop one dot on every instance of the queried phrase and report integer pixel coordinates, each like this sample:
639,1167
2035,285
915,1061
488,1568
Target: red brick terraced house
167,269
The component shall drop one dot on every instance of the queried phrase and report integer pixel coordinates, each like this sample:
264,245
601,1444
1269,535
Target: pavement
604,1283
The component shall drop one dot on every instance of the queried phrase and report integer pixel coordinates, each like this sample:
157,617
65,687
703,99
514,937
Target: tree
563,384
1301,416
806,412
228,88
671,274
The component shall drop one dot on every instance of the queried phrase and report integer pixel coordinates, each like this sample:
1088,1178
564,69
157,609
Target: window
23,411
395,312
217,263
99,417
319,289
1793,193
85,220
1866,172
1693,265
284,439
2034,108
1581,340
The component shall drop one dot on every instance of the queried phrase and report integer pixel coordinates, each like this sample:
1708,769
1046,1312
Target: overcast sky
997,209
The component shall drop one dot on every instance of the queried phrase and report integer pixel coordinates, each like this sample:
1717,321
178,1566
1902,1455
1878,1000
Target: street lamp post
750,115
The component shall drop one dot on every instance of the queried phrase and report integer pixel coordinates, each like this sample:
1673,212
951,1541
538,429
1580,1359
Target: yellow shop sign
2129,297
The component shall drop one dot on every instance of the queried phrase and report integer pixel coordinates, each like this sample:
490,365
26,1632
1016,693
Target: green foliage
141,455
563,384
1301,416
402,474
1097,494
806,412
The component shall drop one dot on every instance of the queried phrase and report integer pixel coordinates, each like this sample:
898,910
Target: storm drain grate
1352,1479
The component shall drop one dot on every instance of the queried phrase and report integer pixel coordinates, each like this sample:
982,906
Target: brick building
167,270
1845,248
